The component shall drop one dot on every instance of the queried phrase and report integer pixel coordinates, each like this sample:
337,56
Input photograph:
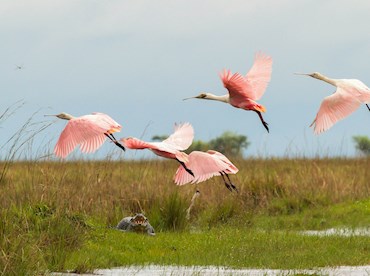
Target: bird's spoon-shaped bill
189,98
305,74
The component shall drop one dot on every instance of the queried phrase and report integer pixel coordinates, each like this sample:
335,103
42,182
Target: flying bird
87,131
18,67
244,91
348,97
171,147
205,165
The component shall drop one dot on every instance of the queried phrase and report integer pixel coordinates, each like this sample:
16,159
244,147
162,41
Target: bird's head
200,96
63,115
315,75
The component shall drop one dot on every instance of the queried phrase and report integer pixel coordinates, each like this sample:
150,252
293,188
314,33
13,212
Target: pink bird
88,131
244,91
171,147
348,97
205,165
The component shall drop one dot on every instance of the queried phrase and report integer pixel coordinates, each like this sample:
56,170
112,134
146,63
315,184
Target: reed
48,208
276,186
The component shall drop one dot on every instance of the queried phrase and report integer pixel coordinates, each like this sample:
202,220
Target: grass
222,246
55,215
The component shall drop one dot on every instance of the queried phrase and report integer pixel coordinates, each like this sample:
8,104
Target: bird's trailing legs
368,107
186,169
114,140
262,120
229,184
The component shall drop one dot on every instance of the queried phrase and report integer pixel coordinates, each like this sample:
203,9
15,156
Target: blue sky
137,60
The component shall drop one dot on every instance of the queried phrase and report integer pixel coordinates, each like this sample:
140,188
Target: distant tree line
362,144
229,143
232,144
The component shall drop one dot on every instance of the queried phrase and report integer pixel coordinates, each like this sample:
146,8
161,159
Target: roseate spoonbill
171,147
205,165
348,97
88,131
244,91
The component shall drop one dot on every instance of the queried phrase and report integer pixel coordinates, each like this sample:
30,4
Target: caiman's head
139,220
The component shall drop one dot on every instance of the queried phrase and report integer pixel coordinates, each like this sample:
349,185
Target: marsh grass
35,238
52,212
222,246
15,147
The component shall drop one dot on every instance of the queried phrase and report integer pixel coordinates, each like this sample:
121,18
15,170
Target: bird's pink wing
182,137
238,87
134,143
203,165
80,131
159,148
92,143
182,177
231,167
259,75
105,120
357,88
333,109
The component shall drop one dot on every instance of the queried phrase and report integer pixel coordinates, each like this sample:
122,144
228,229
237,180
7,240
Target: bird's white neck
326,79
224,98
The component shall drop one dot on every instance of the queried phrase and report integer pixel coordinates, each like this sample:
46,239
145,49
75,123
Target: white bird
348,97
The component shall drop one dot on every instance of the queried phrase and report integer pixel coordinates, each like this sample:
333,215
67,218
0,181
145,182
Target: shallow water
156,270
343,232
210,271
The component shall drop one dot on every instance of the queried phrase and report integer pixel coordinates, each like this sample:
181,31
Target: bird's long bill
46,115
304,74
189,98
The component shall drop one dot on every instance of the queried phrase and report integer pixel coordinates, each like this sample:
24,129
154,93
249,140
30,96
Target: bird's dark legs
229,184
114,140
226,184
263,121
111,134
186,169
368,107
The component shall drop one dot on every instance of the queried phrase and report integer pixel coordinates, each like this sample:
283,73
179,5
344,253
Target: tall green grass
222,246
49,209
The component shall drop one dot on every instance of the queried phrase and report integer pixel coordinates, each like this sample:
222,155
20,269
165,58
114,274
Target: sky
137,60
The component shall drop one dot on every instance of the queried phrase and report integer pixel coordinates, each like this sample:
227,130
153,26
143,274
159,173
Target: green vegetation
229,143
55,216
362,144
224,246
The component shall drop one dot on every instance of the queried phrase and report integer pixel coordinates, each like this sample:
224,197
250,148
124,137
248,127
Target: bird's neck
328,80
223,98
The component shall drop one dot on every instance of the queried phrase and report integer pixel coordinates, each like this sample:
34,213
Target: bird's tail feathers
260,108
